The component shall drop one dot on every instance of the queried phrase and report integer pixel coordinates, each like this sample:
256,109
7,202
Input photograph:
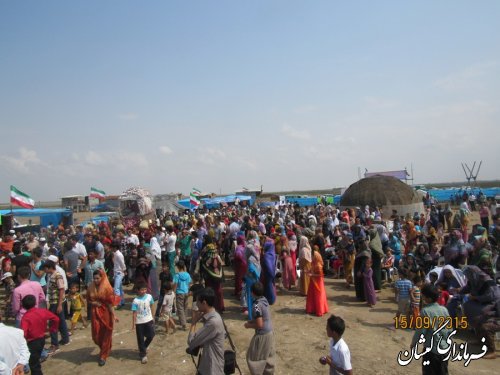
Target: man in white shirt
339,359
14,352
118,272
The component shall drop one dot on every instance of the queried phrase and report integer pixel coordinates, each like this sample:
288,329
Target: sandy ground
300,340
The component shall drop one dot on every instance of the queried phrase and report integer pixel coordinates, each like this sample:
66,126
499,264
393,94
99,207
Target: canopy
47,215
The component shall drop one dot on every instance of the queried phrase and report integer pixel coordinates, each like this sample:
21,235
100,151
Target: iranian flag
194,197
19,198
96,193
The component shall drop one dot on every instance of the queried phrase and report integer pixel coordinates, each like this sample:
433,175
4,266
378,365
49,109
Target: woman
239,264
292,247
481,306
211,270
359,264
305,264
410,266
268,274
154,256
252,253
454,251
100,297
316,302
375,246
453,280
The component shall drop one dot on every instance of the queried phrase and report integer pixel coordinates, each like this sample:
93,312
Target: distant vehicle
103,207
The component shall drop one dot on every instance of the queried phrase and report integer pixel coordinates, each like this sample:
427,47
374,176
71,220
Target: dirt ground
300,340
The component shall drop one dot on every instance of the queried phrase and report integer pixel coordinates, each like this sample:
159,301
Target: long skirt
348,265
305,268
358,280
316,302
368,287
261,354
102,329
153,283
216,285
377,270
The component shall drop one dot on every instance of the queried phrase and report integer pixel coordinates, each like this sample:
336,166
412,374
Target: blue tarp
216,202
96,220
443,195
47,215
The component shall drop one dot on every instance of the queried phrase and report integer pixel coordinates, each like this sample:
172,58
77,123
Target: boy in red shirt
34,324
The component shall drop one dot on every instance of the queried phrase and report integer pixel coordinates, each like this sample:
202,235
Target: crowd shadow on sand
84,355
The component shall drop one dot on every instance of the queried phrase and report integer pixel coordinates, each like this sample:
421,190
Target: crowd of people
77,273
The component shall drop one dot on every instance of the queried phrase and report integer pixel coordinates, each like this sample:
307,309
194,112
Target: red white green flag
194,197
96,193
19,198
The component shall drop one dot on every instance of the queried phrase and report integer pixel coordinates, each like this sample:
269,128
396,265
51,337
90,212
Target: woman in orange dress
316,296
100,297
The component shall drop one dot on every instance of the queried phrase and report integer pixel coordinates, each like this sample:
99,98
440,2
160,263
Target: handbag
230,363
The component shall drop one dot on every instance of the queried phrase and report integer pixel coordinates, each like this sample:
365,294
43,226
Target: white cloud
290,132
26,159
116,159
466,78
94,158
166,150
129,116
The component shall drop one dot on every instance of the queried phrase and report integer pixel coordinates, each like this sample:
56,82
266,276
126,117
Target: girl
316,302
368,286
288,270
77,304
305,264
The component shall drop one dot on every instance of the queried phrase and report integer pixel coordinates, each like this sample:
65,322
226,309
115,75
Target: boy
142,320
402,289
77,304
34,323
415,298
182,281
167,304
434,360
339,359
261,353
164,277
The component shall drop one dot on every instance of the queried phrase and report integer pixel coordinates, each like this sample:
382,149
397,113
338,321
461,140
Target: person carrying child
339,358
77,304
34,324
167,304
142,320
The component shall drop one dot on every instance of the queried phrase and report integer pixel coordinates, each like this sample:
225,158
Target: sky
219,95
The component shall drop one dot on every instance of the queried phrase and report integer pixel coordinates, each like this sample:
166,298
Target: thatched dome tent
384,192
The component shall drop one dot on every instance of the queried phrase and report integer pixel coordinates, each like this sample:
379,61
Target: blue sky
224,94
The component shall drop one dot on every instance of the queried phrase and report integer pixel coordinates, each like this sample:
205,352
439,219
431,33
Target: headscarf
305,249
317,263
269,258
476,278
375,244
460,279
155,248
102,293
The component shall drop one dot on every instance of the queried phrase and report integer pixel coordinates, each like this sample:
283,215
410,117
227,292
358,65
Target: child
339,359
142,320
167,303
261,353
402,293
388,264
415,297
77,304
194,290
368,286
444,296
9,286
182,281
34,324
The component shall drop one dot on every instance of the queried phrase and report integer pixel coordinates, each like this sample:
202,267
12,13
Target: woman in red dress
316,296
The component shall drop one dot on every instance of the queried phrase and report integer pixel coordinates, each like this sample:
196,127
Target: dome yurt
384,192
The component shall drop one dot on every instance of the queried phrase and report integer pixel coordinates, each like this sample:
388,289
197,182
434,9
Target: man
6,244
80,249
71,263
210,337
118,272
26,287
20,260
32,242
55,300
92,265
185,247
14,352
435,363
